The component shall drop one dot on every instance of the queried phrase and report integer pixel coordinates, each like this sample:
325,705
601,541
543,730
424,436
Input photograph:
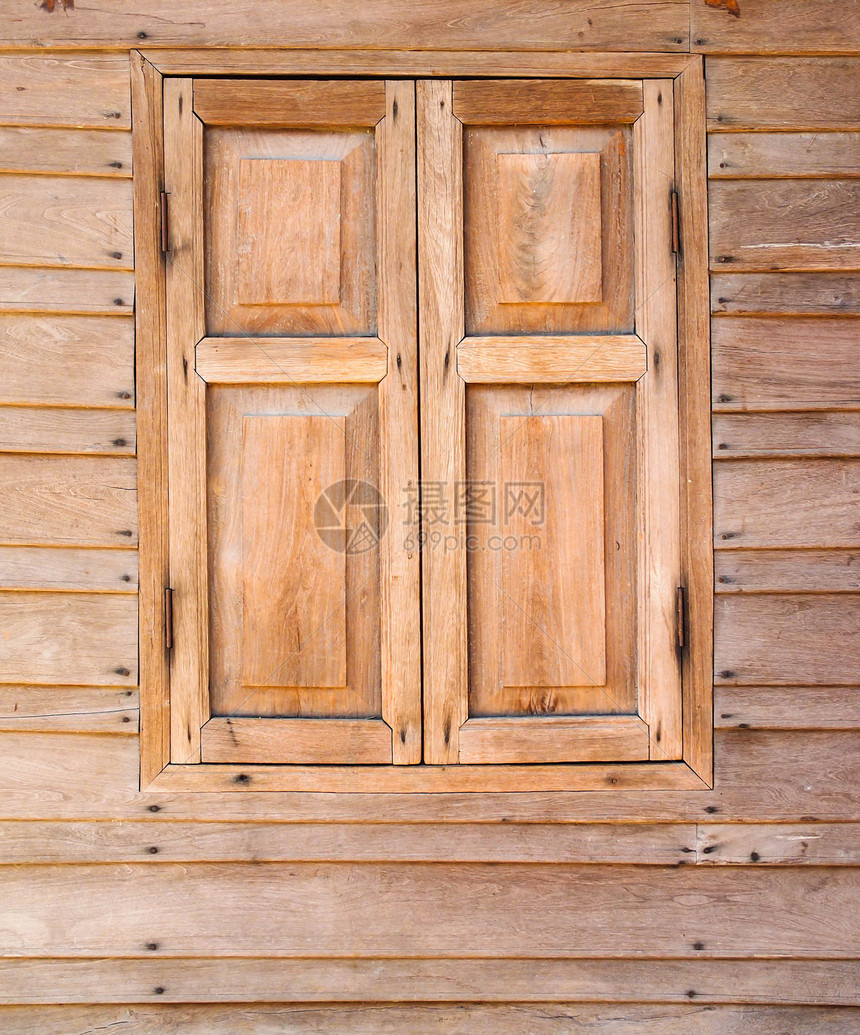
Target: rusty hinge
681,616
676,224
168,618
162,215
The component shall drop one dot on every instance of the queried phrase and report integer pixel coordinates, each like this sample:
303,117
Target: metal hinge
163,211
681,616
676,224
168,618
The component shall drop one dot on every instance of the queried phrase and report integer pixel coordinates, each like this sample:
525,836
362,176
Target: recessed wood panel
549,228
288,234
552,622
553,602
293,584
294,577
289,228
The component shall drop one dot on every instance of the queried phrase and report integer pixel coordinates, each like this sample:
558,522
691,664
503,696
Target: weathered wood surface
68,709
38,429
823,433
798,294
58,88
811,844
787,707
55,568
68,638
58,290
779,639
65,152
455,24
67,501
66,221
783,92
786,503
791,26
763,155
787,571
459,1019
785,225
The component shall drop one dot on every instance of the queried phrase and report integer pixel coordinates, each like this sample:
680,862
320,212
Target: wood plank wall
725,911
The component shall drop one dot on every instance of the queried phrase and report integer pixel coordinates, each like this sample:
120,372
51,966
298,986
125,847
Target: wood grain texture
786,503
255,102
785,225
783,92
793,155
787,571
296,741
68,709
52,568
546,102
553,739
765,982
775,364
796,845
68,501
36,429
787,707
801,294
69,638
66,221
34,290
328,909
67,361
551,359
65,152
795,26
62,88
779,640
482,1019
291,361
454,24
786,434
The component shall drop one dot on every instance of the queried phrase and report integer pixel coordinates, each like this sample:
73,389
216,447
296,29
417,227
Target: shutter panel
550,417
292,422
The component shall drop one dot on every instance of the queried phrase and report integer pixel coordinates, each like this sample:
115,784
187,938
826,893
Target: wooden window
494,589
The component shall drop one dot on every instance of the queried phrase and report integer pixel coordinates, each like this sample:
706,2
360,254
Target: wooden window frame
695,771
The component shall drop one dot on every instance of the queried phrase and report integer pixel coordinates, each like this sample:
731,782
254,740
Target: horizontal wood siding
728,910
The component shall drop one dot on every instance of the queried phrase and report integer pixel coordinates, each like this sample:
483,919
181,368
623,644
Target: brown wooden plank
813,982
99,779
43,567
68,709
815,844
787,707
582,25
546,102
34,290
41,429
551,359
65,152
553,739
794,26
787,571
767,155
254,102
786,434
68,501
69,638
771,363
783,92
67,360
131,841
66,221
785,225
786,503
329,909
291,360
64,89
151,387
480,1019
812,294
787,639
296,741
